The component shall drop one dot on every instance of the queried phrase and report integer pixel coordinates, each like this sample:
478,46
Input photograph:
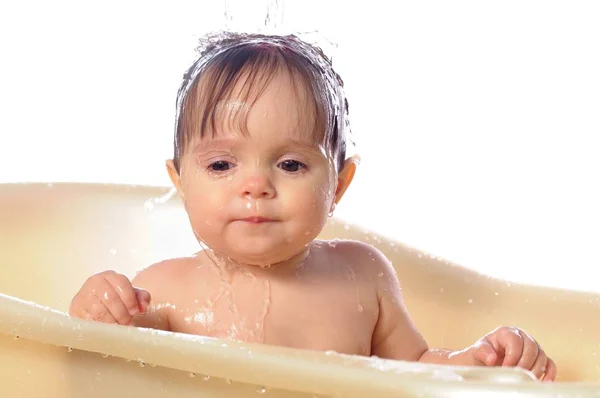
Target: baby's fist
109,297
510,346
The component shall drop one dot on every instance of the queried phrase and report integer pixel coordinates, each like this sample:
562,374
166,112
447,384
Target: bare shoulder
163,273
363,256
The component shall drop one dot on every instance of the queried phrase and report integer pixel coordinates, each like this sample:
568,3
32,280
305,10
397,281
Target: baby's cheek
314,204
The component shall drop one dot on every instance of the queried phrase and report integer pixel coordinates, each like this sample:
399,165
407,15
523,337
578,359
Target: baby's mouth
256,220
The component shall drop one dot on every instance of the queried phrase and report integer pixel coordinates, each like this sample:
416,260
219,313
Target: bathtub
54,236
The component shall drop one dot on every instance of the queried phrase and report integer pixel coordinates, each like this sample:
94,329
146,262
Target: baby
260,163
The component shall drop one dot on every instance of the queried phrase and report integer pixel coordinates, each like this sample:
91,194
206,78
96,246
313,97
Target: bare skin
330,287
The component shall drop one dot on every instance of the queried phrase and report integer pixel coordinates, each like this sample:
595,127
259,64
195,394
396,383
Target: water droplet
495,293
149,205
69,349
306,233
16,337
206,378
360,308
230,178
380,274
261,390
330,352
228,381
192,375
470,301
347,227
104,355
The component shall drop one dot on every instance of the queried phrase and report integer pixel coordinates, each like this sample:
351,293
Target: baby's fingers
484,352
531,352
143,299
125,292
512,344
540,365
107,295
97,311
551,371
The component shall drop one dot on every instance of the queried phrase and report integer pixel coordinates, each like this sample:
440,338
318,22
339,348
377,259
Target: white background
477,122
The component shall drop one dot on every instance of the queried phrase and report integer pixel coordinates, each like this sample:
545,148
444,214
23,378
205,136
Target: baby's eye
220,165
291,166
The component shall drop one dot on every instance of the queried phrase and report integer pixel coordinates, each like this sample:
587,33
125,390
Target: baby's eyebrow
218,143
311,145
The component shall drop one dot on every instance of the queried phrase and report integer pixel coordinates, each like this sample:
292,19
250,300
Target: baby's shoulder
357,254
165,272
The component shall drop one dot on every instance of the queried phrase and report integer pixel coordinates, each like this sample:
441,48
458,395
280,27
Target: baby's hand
509,346
110,298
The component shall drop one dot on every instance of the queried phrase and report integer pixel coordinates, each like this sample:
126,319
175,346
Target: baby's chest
338,318
313,316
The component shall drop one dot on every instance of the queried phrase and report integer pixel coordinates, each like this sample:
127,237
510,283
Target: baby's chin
265,259
262,257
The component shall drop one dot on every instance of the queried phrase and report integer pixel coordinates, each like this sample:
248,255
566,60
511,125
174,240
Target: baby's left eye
291,166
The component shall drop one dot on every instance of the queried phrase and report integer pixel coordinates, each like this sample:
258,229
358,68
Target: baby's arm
396,337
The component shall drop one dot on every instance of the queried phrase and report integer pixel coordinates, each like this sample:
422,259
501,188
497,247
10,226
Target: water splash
262,390
152,202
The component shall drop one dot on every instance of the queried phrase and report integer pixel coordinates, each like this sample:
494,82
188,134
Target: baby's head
260,145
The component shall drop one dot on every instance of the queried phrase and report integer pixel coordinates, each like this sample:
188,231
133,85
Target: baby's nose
258,186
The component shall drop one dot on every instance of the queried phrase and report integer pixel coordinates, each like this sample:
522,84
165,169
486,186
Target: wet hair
226,57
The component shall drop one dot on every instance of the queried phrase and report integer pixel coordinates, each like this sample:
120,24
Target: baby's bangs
217,88
216,91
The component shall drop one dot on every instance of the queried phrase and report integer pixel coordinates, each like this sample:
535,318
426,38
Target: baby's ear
174,176
346,176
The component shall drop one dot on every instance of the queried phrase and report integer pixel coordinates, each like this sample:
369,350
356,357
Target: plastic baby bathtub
53,236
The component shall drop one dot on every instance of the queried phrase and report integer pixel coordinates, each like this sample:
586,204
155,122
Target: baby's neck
290,265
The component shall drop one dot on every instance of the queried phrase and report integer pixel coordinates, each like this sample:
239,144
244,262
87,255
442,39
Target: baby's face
259,198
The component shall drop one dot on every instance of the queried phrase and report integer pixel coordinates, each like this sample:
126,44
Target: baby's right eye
220,165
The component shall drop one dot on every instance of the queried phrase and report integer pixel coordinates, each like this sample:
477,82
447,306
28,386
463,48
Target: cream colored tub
52,237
